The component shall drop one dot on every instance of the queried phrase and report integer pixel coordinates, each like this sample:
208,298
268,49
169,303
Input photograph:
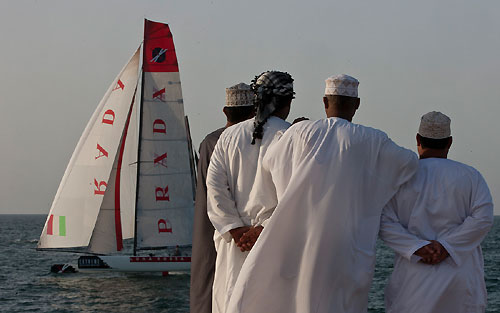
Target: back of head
272,90
239,103
341,96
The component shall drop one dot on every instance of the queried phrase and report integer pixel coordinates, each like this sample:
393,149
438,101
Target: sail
78,200
164,211
115,221
129,177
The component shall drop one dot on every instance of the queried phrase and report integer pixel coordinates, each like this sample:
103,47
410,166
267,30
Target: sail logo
158,55
162,194
108,117
159,126
164,226
102,152
100,187
56,225
119,85
161,160
159,95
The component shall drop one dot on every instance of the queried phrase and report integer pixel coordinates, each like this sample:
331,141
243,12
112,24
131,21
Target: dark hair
433,143
236,114
258,131
342,101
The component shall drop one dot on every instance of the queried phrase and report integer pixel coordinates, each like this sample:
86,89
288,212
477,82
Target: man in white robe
238,108
332,178
241,195
438,218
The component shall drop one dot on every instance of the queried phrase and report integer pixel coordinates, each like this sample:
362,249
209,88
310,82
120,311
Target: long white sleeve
221,206
465,238
396,236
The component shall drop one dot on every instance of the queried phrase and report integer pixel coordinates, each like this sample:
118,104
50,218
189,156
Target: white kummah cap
342,85
239,95
435,125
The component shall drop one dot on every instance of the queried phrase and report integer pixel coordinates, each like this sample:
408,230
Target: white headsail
115,221
78,201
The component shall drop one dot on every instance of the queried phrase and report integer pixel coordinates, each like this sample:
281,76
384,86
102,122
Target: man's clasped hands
433,253
246,236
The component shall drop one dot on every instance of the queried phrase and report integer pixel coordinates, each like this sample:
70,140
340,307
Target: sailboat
132,173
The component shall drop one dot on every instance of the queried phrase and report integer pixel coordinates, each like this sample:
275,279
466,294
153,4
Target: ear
357,103
450,141
325,102
418,140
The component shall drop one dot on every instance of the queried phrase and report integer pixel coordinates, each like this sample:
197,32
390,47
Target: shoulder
237,130
213,136
277,123
452,169
436,163
338,126
368,132
210,140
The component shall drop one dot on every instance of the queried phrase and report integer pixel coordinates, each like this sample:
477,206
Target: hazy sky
57,59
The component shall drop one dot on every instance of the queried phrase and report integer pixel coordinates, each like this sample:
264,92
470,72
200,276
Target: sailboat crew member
239,107
447,208
332,177
241,194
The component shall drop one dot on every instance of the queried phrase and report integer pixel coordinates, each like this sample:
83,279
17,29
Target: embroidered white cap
342,85
435,125
239,95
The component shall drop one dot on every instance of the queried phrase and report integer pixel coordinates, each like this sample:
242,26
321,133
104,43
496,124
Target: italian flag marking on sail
56,225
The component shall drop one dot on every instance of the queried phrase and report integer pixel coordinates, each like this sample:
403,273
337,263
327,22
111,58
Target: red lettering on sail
102,152
161,160
108,117
119,85
164,226
162,194
159,94
98,186
159,126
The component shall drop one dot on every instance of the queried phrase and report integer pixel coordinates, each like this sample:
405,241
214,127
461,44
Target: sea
27,285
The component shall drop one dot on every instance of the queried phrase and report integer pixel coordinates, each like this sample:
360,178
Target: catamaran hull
135,263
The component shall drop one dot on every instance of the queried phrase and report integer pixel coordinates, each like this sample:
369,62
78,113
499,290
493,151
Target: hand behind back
249,238
433,253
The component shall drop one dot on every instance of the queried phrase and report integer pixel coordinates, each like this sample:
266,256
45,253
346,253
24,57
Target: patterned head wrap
267,87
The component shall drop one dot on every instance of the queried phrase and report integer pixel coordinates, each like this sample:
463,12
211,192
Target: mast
138,158
191,157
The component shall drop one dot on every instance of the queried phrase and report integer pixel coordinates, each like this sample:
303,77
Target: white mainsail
165,205
78,200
